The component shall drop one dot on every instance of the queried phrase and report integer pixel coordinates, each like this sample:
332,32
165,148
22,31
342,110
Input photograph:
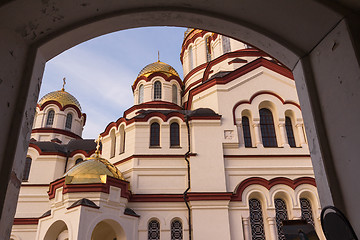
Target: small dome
62,97
92,170
158,67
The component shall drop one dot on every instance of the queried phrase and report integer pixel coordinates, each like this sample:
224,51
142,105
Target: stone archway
323,54
108,230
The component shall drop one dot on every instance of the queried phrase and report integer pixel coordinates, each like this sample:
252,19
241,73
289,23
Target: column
258,142
284,140
247,229
300,130
240,134
272,226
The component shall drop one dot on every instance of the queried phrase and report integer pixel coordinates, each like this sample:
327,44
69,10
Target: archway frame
321,53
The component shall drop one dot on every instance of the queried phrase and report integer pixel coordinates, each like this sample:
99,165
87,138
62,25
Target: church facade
218,154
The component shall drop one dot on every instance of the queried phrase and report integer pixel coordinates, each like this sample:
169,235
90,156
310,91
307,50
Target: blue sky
100,72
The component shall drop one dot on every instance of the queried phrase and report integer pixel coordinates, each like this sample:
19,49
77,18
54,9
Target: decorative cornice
62,108
26,221
262,93
95,187
268,184
153,156
152,104
268,156
151,76
56,130
260,62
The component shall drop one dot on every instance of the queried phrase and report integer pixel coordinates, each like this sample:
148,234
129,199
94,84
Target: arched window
26,172
113,143
208,49
155,135
174,135
267,128
68,122
79,160
290,132
306,211
157,90
141,94
246,130
174,94
122,139
154,230
226,44
191,58
176,230
281,215
256,220
50,118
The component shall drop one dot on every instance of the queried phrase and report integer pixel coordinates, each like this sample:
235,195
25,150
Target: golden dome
62,97
158,67
92,170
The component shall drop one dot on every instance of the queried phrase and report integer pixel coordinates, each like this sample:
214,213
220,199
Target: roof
62,97
158,67
87,145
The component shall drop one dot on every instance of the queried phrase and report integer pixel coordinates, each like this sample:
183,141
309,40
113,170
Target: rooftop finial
158,56
98,141
64,82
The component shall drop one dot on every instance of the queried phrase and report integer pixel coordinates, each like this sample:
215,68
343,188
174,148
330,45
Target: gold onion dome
62,97
158,67
92,170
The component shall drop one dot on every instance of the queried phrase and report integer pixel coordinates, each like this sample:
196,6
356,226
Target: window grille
79,160
246,131
68,122
306,211
141,94
122,140
290,132
26,172
256,220
176,230
208,49
174,135
155,135
281,215
191,58
267,128
50,118
154,230
157,90
174,94
226,44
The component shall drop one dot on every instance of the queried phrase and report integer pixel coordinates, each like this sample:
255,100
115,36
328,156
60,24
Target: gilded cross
98,140
64,82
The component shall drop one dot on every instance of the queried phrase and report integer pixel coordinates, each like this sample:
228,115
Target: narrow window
157,90
113,143
68,122
191,58
174,94
281,215
208,49
306,211
267,128
154,230
174,135
176,230
226,44
27,169
141,94
122,139
155,135
290,132
246,131
50,118
79,160
256,220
